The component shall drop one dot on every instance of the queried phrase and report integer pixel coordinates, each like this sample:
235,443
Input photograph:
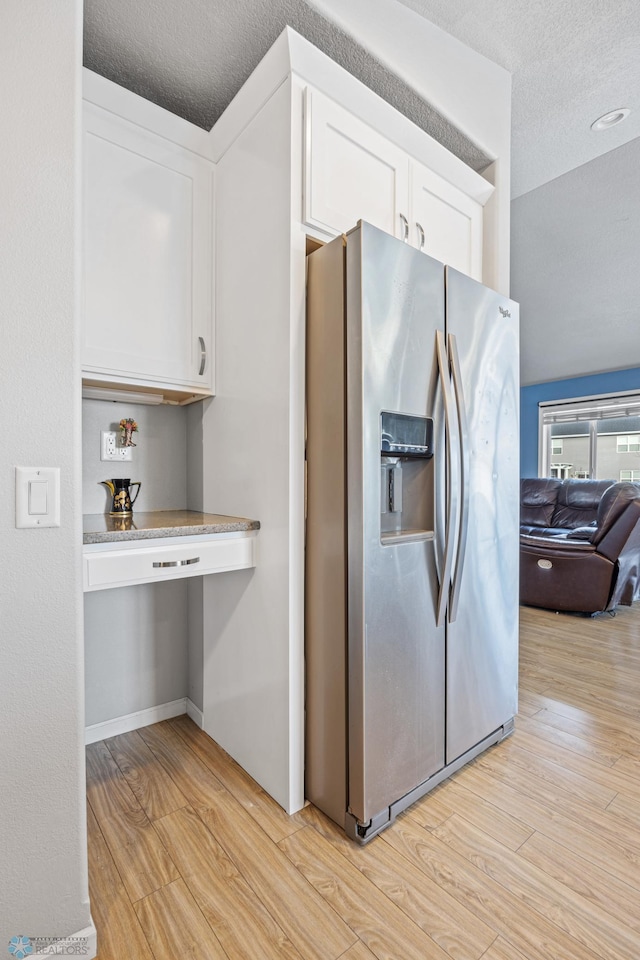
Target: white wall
136,637
43,874
159,459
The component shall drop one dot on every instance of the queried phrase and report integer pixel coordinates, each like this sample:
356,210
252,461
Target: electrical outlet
110,449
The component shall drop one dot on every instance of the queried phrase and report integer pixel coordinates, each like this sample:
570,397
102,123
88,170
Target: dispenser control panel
403,435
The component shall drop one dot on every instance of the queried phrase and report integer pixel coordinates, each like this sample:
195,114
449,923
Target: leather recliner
579,544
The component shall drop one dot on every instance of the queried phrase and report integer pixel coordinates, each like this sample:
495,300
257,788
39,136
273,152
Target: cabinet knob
405,227
420,235
203,356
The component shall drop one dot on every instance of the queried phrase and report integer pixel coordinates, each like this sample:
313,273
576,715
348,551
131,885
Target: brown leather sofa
579,544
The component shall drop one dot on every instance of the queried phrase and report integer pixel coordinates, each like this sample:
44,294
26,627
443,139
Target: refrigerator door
395,651
482,633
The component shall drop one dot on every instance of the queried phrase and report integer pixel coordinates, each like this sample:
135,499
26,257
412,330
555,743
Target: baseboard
195,713
84,943
142,718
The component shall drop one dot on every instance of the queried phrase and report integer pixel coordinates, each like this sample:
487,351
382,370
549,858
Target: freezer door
482,633
395,651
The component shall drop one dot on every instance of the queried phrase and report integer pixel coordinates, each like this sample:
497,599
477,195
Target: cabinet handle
405,227
421,235
176,563
203,355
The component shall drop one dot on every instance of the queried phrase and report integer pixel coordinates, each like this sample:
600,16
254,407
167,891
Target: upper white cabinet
353,172
147,255
445,222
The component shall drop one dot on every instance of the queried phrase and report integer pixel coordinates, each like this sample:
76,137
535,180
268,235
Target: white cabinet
147,256
445,222
353,172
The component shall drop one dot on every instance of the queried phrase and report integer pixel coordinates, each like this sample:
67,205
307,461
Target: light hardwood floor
531,852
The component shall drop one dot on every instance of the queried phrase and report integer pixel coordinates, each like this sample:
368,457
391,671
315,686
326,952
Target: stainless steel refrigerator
411,598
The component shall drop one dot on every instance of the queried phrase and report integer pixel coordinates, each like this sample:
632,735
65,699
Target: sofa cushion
538,498
578,502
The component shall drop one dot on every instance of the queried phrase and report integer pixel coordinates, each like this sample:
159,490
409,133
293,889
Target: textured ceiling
192,56
571,61
575,253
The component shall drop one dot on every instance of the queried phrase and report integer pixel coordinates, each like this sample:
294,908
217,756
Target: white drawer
116,565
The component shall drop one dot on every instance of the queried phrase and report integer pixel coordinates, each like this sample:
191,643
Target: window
629,443
595,437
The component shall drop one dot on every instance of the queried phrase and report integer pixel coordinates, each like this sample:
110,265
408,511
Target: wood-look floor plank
454,928
629,766
623,739
609,851
175,927
140,857
592,883
454,798
119,931
559,738
581,919
256,801
545,775
313,928
627,807
528,705
501,950
431,810
242,924
154,790
595,771
378,922
358,952
523,926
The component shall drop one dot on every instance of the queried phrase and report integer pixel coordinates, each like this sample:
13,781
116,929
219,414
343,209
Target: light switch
37,496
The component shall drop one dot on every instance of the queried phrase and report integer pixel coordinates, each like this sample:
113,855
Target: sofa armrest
617,535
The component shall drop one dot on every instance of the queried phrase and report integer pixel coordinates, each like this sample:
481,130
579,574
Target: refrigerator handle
463,528
451,434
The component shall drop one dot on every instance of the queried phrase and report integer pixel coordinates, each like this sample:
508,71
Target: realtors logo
20,947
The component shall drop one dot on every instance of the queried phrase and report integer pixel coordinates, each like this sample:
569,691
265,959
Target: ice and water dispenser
406,477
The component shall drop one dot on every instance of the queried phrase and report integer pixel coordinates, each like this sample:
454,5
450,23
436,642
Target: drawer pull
176,563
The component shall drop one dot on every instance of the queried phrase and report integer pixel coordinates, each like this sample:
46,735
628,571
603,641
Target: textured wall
136,637
530,397
159,459
135,648
43,884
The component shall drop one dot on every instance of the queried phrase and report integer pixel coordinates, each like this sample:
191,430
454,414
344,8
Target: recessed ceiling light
610,119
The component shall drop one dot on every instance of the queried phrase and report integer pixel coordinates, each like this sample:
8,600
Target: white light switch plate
37,505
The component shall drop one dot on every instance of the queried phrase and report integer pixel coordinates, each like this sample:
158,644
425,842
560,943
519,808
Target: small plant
128,427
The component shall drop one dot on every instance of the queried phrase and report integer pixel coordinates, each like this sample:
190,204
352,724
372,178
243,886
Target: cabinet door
352,172
147,255
450,220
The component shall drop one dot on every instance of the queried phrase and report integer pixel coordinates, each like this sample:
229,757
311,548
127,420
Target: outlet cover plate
110,448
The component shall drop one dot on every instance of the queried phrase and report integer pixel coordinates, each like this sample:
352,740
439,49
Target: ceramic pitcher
121,503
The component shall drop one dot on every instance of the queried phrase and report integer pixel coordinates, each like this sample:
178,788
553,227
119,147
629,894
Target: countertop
101,528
